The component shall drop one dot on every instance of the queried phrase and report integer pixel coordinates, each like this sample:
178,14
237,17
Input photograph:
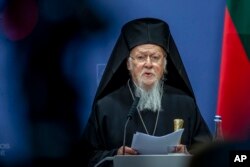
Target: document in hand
147,144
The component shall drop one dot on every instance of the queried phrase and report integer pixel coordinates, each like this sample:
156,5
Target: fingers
181,149
128,151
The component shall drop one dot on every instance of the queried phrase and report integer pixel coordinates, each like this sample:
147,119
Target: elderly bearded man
145,63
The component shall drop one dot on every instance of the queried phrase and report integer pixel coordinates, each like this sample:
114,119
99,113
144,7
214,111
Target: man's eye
140,57
155,57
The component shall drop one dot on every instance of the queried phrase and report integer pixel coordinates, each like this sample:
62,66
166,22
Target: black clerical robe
104,132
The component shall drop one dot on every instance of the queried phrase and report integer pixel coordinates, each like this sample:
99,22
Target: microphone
133,108
129,117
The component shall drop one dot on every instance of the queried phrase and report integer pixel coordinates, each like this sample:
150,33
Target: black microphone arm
129,117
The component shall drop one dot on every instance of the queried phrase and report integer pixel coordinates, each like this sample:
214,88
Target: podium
169,160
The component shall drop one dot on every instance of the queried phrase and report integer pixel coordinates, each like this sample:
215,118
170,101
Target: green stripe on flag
239,12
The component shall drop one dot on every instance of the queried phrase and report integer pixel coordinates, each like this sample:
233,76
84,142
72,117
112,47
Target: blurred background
53,53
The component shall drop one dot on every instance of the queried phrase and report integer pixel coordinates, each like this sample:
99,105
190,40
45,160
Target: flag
234,83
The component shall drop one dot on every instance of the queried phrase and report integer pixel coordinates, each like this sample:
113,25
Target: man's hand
128,151
181,149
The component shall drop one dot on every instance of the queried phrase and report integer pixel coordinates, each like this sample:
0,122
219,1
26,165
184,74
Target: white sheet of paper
147,144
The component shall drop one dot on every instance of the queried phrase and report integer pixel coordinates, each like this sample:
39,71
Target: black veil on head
137,32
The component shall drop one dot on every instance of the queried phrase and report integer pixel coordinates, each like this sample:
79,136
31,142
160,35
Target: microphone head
133,108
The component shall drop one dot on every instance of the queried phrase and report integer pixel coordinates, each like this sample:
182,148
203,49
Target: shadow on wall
40,30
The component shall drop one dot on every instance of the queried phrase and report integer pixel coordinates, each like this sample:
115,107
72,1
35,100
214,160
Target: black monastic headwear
136,32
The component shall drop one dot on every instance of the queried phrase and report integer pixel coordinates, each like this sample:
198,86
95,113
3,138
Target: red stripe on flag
234,88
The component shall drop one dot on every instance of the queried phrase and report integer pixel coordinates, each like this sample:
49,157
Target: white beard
150,99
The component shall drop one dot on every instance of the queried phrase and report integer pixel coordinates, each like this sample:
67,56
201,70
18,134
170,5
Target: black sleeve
94,143
200,134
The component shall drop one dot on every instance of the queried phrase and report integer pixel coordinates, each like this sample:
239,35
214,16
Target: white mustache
146,71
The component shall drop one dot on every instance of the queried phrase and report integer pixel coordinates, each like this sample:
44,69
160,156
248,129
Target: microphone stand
129,117
124,135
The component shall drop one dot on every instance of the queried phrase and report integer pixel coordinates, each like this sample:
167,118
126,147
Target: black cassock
106,125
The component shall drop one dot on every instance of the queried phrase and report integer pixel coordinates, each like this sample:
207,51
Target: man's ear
128,64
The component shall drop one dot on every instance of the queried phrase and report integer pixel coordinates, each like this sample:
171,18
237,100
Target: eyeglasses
143,58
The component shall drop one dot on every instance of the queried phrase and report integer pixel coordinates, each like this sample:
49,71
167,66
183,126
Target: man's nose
148,61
